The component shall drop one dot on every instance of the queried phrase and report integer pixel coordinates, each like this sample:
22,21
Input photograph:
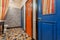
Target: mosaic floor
15,34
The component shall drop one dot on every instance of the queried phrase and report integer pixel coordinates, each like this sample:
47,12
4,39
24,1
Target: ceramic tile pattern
15,34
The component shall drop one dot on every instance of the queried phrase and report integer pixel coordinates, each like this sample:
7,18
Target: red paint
29,17
53,9
3,9
48,6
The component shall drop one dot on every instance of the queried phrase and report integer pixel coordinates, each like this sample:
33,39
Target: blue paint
22,17
49,25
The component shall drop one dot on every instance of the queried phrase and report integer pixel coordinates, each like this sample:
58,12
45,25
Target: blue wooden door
48,25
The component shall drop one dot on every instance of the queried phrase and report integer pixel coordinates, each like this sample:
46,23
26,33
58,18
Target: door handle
45,21
39,19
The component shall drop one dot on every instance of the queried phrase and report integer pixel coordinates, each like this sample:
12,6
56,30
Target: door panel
58,18
48,30
22,17
47,24
29,17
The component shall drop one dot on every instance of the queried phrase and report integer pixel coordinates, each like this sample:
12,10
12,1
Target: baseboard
14,27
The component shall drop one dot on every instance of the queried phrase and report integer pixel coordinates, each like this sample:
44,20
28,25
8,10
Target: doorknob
39,19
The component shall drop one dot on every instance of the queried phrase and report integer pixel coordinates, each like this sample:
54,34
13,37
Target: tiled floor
15,34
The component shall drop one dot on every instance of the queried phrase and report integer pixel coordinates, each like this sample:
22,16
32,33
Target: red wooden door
29,17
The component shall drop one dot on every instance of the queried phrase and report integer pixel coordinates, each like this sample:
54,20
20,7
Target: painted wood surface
48,25
34,18
29,17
